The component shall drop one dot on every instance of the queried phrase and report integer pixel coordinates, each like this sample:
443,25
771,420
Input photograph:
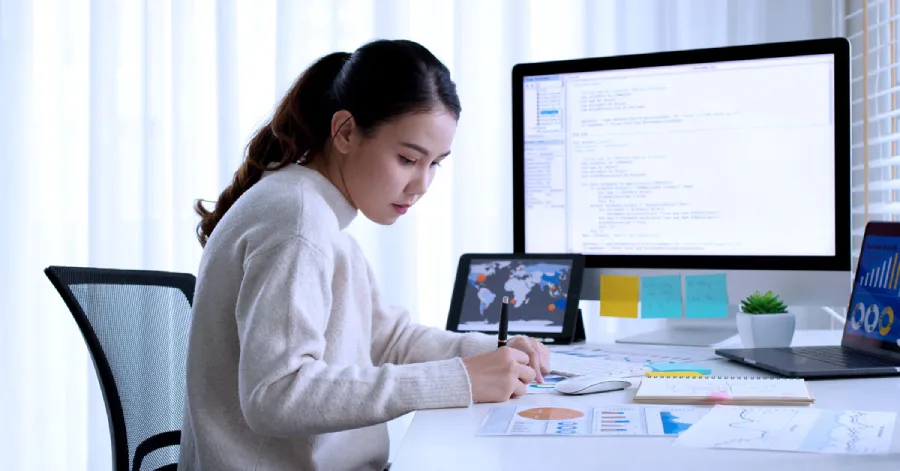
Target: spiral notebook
746,390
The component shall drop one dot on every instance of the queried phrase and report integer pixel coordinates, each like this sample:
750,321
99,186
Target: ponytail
381,81
299,129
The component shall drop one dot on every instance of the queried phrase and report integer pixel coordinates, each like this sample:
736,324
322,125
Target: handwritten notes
619,296
660,296
706,296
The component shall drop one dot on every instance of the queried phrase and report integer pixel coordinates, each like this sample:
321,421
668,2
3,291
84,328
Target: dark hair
381,81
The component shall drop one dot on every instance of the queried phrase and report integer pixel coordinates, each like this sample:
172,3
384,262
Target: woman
295,362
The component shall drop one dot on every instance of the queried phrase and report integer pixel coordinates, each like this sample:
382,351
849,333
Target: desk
445,439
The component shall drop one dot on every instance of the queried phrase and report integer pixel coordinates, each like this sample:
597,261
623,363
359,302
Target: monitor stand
693,336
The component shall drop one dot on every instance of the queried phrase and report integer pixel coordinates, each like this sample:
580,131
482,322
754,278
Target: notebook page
724,388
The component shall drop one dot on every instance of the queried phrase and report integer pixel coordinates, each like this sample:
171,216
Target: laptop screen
876,296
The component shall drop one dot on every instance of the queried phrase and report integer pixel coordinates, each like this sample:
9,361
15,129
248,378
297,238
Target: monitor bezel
839,48
570,317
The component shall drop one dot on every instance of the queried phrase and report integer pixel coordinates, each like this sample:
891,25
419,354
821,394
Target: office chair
135,324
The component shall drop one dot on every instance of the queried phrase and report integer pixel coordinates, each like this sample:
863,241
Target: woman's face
387,172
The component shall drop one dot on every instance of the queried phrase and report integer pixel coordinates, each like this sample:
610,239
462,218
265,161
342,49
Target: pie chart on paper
551,413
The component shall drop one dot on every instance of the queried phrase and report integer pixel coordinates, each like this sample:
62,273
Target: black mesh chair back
135,325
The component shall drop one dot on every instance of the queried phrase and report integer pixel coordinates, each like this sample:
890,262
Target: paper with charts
589,421
547,387
792,429
640,354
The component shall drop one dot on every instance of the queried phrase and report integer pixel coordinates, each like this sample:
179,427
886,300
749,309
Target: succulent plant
767,303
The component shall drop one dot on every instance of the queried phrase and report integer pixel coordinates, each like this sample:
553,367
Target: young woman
295,361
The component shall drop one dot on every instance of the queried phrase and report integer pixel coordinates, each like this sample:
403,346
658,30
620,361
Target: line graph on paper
792,429
754,427
852,432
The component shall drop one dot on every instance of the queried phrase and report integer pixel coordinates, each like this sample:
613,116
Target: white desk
445,439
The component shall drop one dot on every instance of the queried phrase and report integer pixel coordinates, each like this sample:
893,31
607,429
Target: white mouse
591,384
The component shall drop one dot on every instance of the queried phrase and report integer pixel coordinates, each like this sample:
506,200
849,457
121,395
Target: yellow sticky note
619,296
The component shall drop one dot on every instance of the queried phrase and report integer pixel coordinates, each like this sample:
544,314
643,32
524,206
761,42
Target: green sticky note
660,296
706,296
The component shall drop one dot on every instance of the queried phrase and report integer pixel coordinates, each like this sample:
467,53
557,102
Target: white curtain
116,114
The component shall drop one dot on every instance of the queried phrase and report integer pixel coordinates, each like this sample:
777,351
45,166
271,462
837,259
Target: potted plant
764,322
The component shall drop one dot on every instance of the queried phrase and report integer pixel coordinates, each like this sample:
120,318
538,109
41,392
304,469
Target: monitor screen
538,291
725,158
875,301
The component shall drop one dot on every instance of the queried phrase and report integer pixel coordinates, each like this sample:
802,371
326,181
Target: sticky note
619,296
678,367
660,296
705,296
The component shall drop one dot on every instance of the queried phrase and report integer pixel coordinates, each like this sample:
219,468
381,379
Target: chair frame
118,434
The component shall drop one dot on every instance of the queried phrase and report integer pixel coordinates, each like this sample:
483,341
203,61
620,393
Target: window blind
871,27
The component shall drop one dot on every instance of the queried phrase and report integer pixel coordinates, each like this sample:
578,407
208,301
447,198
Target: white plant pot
766,330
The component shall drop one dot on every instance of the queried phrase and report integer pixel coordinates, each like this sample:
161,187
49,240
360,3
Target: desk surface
445,439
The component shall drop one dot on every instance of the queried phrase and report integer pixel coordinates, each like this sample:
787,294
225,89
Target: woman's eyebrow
421,149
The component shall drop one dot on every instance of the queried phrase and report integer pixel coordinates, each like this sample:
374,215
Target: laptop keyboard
844,358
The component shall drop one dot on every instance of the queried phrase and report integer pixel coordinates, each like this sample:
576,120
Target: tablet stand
578,334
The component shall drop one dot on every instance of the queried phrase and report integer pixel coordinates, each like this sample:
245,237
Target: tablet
543,290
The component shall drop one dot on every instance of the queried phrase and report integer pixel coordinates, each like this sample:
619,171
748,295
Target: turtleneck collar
342,209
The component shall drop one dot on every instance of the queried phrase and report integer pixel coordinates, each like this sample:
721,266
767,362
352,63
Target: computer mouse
591,384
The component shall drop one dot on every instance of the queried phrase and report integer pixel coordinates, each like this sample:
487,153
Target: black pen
504,323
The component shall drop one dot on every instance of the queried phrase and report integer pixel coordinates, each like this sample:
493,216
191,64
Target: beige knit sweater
295,361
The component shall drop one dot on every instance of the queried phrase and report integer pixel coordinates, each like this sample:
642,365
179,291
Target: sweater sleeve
286,388
398,340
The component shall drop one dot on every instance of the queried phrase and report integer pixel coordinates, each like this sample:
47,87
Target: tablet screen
537,289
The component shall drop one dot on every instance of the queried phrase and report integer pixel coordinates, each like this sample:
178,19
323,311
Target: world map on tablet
537,290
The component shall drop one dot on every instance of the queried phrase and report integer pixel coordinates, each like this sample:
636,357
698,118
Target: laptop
870,345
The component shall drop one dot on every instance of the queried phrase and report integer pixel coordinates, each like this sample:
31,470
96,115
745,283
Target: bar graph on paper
884,276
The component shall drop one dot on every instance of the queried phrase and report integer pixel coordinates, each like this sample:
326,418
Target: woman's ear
342,127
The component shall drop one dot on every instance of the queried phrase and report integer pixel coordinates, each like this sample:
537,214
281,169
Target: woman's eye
405,160
435,164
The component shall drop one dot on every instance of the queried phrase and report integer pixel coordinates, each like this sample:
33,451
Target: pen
504,323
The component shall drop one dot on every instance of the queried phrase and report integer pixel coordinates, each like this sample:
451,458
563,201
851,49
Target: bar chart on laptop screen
876,298
883,275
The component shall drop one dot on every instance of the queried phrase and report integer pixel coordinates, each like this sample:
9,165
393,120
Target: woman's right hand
498,375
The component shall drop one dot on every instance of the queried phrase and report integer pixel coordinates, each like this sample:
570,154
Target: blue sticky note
660,296
706,296
676,367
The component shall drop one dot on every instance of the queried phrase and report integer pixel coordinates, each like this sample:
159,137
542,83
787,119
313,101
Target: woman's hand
498,374
538,354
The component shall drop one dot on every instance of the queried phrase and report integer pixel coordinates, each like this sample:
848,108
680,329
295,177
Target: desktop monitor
732,159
